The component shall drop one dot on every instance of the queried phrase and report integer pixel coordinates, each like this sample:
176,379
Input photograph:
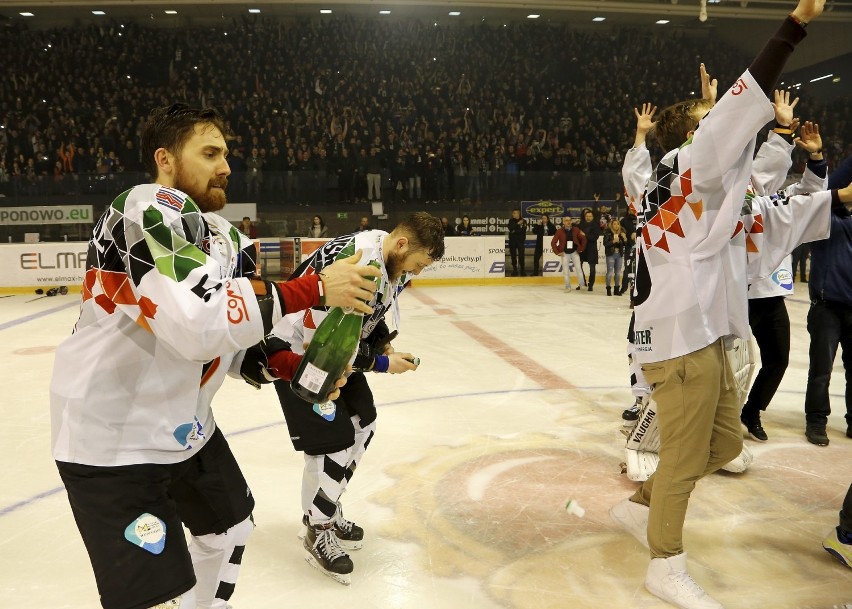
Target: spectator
465,228
830,315
569,242
590,225
449,231
317,229
247,228
544,227
517,241
614,242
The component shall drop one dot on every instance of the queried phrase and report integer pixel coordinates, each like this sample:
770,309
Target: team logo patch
190,434
148,532
327,410
170,198
784,278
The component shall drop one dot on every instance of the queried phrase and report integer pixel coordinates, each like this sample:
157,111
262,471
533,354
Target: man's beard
209,199
394,265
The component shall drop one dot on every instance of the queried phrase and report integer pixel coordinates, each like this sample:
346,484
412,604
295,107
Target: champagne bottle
330,350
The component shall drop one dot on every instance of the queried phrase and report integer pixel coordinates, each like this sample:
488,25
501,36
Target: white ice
514,410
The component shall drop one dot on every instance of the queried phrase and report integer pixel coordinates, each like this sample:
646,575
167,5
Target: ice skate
323,552
349,535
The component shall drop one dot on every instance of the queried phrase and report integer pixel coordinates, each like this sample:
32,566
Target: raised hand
644,119
808,10
784,108
809,138
709,87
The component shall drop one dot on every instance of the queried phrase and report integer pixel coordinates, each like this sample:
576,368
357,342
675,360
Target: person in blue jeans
830,315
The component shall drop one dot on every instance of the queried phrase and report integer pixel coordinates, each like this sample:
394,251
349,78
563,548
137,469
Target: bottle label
313,378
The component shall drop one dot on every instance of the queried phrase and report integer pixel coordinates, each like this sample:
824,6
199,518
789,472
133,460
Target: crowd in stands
522,111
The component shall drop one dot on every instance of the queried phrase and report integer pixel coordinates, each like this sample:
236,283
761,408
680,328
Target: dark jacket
831,271
517,231
540,231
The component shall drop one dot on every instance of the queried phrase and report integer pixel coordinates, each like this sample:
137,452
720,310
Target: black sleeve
767,66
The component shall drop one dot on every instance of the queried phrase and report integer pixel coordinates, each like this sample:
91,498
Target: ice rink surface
514,410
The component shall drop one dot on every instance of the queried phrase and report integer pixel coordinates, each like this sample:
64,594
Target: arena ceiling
679,13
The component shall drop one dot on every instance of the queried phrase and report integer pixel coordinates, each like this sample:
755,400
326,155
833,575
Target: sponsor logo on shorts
327,410
148,532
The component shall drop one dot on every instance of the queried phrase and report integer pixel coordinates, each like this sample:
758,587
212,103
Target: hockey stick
37,298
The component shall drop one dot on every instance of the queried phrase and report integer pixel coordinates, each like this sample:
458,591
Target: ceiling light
254,11
662,21
821,77
599,19
454,13
27,14
98,13
325,11
170,12
533,16
835,79
384,12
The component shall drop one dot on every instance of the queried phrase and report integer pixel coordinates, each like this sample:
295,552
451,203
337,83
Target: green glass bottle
330,350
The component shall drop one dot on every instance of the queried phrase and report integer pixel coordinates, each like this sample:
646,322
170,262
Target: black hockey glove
255,367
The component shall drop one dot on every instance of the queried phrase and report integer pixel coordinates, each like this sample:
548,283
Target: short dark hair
676,121
170,127
424,231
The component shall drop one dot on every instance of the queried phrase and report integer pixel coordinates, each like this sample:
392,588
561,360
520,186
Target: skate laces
340,522
326,544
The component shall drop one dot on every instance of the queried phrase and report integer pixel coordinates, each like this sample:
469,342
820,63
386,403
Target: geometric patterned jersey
298,328
693,257
166,304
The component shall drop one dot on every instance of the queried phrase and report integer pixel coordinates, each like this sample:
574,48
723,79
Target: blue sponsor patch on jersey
783,278
327,410
189,434
147,532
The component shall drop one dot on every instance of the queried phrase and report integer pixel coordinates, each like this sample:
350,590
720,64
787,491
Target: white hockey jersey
694,257
298,328
166,304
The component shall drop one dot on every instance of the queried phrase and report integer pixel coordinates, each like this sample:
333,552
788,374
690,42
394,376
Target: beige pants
698,413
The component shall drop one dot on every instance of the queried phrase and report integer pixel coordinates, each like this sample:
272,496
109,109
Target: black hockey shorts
324,429
130,519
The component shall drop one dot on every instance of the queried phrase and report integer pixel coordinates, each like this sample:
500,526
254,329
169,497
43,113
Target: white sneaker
668,579
633,518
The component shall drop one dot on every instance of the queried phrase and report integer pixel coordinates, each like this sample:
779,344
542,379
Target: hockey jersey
298,328
694,256
166,303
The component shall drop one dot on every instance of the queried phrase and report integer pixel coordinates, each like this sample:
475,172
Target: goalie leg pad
640,464
646,435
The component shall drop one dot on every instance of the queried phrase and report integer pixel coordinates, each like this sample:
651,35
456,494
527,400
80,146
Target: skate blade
343,578
346,544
